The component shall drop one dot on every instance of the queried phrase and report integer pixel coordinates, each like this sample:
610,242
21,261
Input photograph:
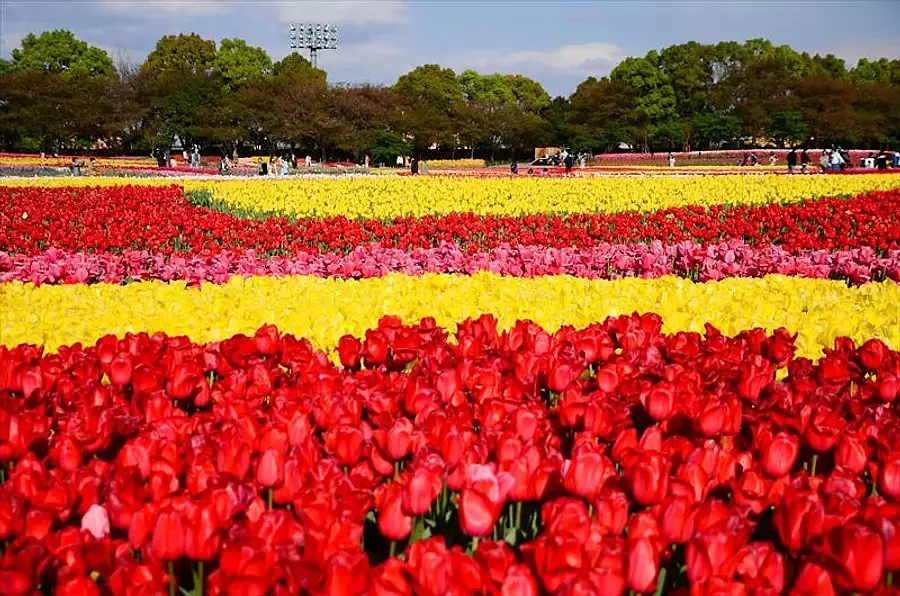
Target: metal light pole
314,37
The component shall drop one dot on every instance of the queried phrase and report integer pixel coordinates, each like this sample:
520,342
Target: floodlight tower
314,37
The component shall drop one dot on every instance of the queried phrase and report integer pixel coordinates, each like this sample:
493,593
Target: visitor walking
513,167
569,161
881,160
837,161
414,166
804,161
195,157
792,160
308,161
671,160
399,161
773,159
285,167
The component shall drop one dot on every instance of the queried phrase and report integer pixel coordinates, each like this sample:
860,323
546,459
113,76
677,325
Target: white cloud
344,12
339,12
570,58
168,8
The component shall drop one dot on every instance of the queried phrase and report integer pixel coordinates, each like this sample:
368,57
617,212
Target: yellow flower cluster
388,197
454,164
325,309
64,162
385,198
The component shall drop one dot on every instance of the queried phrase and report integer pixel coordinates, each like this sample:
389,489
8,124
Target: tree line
58,93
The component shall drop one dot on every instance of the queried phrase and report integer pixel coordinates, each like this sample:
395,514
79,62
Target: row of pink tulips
726,259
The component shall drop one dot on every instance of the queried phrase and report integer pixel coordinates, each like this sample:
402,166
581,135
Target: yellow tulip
323,310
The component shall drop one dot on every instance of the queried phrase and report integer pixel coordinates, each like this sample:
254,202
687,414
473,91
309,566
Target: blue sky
556,42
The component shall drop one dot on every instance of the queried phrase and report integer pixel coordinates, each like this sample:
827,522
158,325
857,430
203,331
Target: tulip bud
270,469
168,535
780,455
872,354
889,477
350,351
648,478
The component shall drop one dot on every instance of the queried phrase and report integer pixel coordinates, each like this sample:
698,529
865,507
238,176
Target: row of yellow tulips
384,198
325,309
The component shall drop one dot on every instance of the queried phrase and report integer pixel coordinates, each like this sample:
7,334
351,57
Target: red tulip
860,553
422,489
201,541
347,574
872,354
889,477
392,522
851,454
643,565
482,499
756,374
660,402
647,478
780,454
375,348
350,351
799,519
676,520
270,469
813,580
585,474
169,535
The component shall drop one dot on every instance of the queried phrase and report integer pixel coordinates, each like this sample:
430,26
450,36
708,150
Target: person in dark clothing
804,161
568,162
881,160
414,166
792,160
513,167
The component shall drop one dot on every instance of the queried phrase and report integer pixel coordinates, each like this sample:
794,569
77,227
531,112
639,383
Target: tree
386,146
178,86
184,54
711,129
297,69
599,113
530,96
653,98
236,62
60,51
786,127
431,96
876,71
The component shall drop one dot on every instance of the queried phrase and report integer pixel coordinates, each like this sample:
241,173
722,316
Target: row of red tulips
588,461
161,220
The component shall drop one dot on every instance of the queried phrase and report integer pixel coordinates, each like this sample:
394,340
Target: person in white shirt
399,161
308,161
836,160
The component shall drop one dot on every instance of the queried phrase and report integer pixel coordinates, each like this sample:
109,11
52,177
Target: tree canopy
59,92
60,51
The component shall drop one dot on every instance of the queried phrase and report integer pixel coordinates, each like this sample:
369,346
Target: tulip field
454,384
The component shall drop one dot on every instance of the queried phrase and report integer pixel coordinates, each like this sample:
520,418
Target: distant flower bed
452,164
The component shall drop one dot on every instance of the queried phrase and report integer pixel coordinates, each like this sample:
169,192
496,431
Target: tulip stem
518,515
812,466
393,547
889,580
198,580
660,582
475,542
171,578
270,499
